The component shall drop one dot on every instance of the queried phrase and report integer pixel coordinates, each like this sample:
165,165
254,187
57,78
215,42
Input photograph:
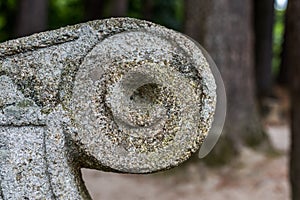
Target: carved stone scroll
119,95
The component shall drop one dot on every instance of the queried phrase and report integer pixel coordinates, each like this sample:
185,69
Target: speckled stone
120,95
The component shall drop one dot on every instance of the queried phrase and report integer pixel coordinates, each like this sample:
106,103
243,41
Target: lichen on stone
120,95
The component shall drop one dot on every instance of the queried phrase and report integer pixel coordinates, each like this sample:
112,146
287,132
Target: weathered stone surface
119,95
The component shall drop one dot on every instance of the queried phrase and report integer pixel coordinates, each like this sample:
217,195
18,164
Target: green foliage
65,12
135,8
7,18
169,13
278,33
2,21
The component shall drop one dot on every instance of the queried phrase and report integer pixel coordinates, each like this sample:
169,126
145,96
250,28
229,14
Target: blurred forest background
255,44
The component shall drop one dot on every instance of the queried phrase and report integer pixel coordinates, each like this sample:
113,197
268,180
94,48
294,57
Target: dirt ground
253,176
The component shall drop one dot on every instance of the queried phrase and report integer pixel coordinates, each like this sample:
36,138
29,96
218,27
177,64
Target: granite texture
120,95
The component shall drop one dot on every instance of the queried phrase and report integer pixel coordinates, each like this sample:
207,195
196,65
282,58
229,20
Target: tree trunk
147,8
263,26
292,55
285,69
32,17
93,9
224,28
119,8
295,138
196,14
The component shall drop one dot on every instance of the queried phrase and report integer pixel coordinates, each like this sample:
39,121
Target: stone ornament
120,95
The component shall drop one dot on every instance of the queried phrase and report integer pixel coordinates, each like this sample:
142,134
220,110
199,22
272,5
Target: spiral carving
119,95
143,100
